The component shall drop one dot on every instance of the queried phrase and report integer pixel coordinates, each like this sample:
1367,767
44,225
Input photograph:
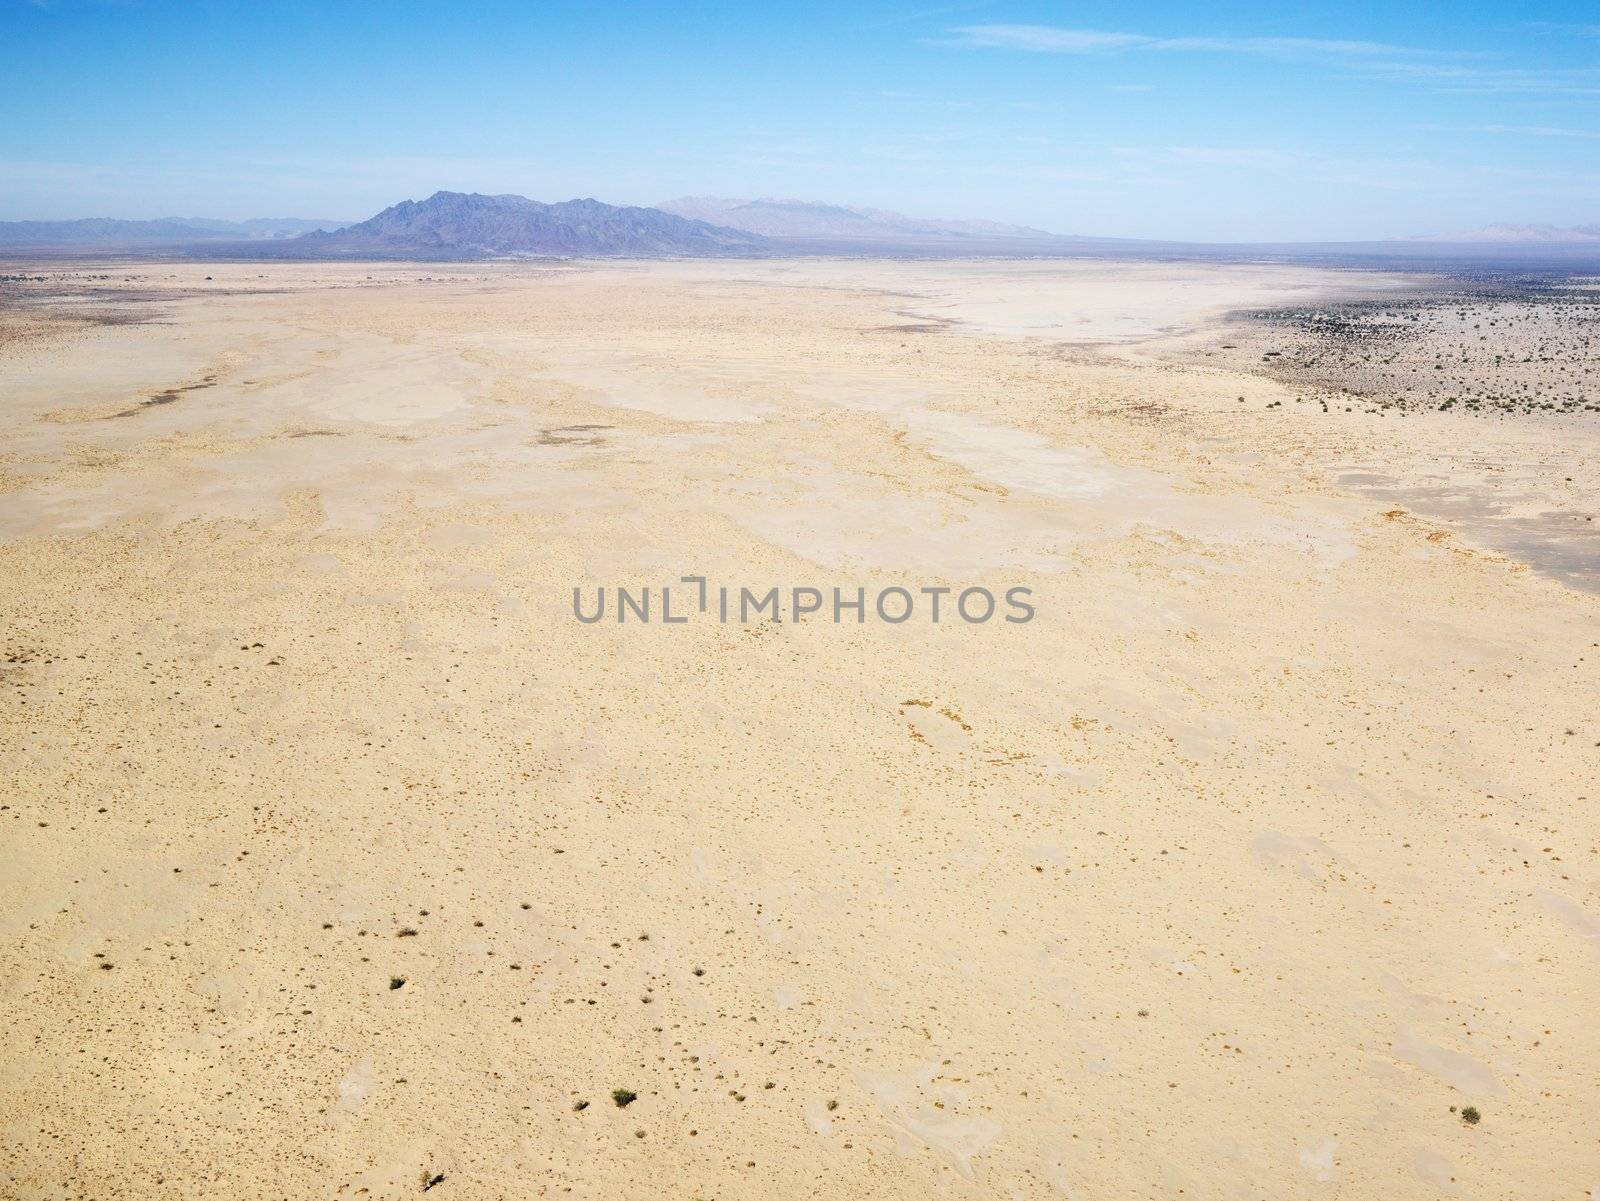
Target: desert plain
343,861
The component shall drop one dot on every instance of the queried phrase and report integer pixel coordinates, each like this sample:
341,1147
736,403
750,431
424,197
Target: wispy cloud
1521,131
1044,39
1484,80
1538,131
1051,39
1583,31
1283,47
1439,70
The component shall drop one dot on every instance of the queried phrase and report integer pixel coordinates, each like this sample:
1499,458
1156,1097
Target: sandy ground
342,861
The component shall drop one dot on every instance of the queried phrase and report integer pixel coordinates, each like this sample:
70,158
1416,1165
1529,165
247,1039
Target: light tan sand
1270,844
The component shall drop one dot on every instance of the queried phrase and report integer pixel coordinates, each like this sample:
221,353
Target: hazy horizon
1335,123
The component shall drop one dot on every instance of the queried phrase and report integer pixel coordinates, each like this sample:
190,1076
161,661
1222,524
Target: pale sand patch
1084,301
1262,846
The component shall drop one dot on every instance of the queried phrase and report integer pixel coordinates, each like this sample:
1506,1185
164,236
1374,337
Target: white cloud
1051,39
1441,70
1543,131
1316,47
1529,131
1473,78
1045,38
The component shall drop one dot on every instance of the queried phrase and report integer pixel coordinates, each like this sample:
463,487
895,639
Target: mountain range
469,226
1522,234
812,220
163,231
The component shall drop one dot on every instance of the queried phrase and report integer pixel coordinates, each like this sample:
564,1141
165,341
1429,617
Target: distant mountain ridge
161,231
473,225
1508,233
815,220
463,226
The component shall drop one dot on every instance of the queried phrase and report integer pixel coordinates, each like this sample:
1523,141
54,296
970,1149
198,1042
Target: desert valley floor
343,862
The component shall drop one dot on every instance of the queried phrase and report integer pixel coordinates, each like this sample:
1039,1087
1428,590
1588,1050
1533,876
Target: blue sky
1244,121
